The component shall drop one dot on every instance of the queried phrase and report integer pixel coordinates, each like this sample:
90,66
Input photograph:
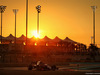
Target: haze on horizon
62,18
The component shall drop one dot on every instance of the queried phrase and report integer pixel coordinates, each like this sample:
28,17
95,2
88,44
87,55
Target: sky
62,18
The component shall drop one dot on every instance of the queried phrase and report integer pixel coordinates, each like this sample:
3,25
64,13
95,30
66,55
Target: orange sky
62,18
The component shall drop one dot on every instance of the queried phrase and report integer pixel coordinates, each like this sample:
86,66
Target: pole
38,8
38,23
26,21
15,12
91,40
94,27
2,9
1,27
1,32
94,8
15,30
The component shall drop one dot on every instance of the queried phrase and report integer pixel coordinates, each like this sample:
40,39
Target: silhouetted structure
15,12
68,44
2,9
26,21
94,8
38,8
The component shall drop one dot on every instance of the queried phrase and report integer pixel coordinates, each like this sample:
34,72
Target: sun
35,34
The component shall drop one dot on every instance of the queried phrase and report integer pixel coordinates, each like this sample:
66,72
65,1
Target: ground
72,69
23,72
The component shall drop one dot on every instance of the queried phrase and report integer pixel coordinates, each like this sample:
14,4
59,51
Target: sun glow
35,34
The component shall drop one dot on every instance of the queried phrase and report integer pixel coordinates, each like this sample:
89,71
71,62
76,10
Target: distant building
67,44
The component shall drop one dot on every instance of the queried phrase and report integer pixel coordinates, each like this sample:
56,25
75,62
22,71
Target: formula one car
40,66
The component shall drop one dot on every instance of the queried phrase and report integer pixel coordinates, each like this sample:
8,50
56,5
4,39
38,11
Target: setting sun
35,34
57,18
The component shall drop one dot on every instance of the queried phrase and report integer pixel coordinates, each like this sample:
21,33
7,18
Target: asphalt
63,70
27,72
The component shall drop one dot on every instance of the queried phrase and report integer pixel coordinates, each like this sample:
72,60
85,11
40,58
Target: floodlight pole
1,28
15,12
38,8
94,8
26,21
38,23
2,9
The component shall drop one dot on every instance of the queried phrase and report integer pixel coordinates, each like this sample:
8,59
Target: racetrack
62,71
26,72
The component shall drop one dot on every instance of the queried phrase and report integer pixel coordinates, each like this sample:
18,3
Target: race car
40,66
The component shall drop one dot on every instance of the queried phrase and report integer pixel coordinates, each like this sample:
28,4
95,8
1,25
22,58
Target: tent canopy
69,40
56,39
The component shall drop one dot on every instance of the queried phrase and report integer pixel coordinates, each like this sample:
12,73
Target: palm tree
93,51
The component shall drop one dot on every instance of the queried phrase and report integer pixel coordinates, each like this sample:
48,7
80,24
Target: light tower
15,12
26,21
94,8
38,8
2,9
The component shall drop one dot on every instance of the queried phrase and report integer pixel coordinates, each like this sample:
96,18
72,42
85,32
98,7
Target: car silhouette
40,66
